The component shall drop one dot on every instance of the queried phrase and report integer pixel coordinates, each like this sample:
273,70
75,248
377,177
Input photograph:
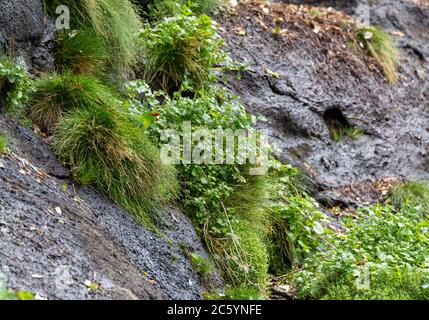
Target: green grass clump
380,46
337,133
180,48
115,21
412,193
57,94
104,149
81,52
3,143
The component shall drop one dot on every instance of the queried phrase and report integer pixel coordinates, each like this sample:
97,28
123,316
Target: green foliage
206,187
178,49
223,201
385,284
115,21
412,193
203,266
380,46
3,143
57,94
81,51
236,293
6,294
103,148
387,245
297,225
14,79
166,8
338,133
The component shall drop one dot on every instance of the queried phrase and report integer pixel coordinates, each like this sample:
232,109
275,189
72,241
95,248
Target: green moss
115,21
412,193
314,12
3,143
105,150
380,46
247,257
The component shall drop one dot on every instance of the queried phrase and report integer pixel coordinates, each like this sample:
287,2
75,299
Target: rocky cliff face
306,79
58,239
26,30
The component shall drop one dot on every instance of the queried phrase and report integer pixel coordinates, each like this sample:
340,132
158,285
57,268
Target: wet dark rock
25,30
316,72
54,236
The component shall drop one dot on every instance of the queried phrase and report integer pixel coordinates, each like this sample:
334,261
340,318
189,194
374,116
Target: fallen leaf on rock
272,73
240,31
397,34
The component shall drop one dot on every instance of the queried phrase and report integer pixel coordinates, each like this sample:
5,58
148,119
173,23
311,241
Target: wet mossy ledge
107,129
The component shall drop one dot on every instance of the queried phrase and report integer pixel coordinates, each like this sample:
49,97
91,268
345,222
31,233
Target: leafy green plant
3,143
202,265
178,49
115,21
297,225
223,201
381,245
380,46
103,148
6,294
412,193
166,8
15,81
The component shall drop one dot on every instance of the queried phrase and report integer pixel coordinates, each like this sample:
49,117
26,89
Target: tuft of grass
81,52
338,133
178,49
415,193
115,21
57,94
104,149
380,46
3,143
